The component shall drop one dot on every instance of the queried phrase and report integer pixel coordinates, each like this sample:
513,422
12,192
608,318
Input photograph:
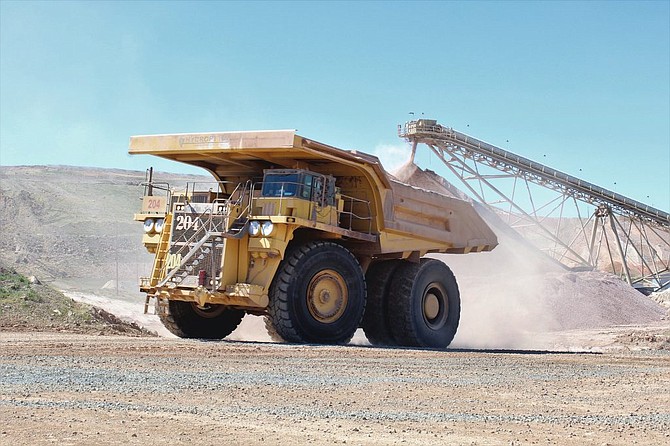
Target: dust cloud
251,329
515,295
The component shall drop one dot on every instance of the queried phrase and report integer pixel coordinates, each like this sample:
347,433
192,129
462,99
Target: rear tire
425,303
317,295
187,320
375,320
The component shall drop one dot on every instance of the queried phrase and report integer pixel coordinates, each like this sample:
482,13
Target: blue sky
576,85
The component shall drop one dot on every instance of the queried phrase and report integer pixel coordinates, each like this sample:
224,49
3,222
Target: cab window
281,185
307,187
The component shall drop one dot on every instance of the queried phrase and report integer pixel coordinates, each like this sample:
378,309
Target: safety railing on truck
150,188
349,213
202,218
355,215
354,210
210,191
211,207
155,203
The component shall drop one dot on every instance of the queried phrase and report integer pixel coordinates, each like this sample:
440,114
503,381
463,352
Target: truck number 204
186,222
172,261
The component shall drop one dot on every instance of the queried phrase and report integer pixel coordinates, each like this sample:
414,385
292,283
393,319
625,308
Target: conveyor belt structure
653,270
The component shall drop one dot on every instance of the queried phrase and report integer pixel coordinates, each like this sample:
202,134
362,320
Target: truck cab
297,193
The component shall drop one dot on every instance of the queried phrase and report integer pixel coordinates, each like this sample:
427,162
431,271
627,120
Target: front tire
187,320
271,330
318,294
425,304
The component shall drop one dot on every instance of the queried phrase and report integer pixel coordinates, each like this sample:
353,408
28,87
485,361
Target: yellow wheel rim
327,296
431,306
435,306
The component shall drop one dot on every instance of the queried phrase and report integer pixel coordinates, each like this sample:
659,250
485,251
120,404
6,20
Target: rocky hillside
27,305
74,226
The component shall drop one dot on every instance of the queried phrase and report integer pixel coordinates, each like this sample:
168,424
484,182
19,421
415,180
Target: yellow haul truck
317,239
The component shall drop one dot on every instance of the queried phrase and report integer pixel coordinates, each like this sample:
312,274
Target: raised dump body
295,229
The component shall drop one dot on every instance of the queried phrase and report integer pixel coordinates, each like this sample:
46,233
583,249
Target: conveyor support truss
621,235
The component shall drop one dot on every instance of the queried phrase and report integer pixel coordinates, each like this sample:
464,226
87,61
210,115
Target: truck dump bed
405,220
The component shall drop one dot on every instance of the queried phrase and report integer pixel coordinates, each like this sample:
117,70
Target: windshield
281,185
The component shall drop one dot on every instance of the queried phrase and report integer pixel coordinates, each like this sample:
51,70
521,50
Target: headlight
266,228
254,228
148,225
158,226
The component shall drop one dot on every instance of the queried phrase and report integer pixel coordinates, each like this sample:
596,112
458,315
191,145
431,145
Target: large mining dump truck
317,239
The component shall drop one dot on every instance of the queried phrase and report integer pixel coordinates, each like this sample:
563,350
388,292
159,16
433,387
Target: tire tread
376,323
279,308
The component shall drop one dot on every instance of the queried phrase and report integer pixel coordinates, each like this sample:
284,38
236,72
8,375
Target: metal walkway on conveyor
620,235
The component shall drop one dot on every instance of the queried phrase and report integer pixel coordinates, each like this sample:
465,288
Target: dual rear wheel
412,304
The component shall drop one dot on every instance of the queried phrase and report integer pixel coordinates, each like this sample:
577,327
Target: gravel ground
76,389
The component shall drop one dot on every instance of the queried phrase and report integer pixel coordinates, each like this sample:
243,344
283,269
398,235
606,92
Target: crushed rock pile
516,291
662,298
595,299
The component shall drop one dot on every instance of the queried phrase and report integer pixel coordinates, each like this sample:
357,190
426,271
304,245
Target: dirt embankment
74,225
27,305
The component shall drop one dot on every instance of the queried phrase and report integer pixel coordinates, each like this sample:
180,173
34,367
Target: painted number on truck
153,204
186,222
173,261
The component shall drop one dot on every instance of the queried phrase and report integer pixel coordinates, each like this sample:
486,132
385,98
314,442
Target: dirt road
77,389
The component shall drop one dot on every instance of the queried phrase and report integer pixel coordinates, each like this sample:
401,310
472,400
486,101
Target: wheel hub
435,306
327,296
431,306
208,311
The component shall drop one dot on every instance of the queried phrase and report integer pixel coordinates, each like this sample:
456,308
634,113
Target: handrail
206,230
156,185
347,200
242,195
352,215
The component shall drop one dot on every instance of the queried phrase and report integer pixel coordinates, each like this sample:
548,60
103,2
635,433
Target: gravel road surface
78,389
